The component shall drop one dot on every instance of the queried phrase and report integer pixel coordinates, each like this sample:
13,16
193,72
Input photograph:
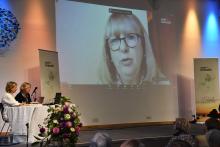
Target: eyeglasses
131,41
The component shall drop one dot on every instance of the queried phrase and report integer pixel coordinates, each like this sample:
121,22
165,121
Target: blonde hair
182,124
9,86
24,85
148,70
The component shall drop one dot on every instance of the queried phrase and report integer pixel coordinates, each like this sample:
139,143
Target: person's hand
21,104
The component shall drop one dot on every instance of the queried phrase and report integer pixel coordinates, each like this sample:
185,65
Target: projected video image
105,45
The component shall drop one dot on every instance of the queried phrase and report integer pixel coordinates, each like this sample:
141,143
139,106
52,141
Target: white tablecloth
38,117
19,116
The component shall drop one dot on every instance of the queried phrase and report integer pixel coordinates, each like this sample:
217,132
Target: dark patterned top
184,137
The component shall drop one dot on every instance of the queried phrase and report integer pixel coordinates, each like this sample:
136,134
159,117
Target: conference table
20,116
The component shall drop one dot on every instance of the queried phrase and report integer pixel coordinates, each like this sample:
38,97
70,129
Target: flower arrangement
62,125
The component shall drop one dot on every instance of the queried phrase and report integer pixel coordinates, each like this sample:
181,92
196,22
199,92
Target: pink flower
67,104
56,130
73,116
69,124
77,129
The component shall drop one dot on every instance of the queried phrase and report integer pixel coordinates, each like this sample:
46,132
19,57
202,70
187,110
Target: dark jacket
20,98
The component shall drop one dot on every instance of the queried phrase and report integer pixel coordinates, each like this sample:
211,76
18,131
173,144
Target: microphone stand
34,96
27,125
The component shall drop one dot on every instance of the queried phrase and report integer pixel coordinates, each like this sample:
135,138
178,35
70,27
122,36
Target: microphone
34,91
27,125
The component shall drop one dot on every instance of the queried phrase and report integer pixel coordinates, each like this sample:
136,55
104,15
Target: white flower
57,109
74,114
72,129
70,110
55,121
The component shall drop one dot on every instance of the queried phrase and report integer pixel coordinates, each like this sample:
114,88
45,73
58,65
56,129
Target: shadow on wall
34,79
185,96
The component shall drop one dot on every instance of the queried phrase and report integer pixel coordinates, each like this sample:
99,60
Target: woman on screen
24,95
128,56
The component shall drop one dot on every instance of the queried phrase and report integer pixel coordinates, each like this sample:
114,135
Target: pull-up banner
49,74
206,85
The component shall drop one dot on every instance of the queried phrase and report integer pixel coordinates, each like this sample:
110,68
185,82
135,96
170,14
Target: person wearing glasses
128,56
24,95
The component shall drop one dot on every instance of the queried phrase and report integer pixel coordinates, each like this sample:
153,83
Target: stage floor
157,135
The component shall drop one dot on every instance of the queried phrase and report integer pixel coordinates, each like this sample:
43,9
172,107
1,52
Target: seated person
213,138
213,121
101,139
132,143
182,128
8,99
23,96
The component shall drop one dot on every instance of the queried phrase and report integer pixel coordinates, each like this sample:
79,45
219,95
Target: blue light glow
211,41
212,32
5,4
